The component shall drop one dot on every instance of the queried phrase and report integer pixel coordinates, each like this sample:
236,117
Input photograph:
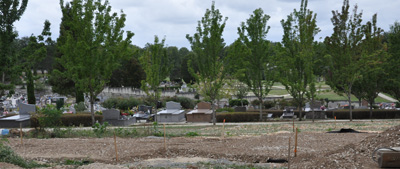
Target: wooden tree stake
295,145
20,132
288,159
115,144
165,144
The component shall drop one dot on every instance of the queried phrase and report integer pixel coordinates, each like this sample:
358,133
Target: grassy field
324,92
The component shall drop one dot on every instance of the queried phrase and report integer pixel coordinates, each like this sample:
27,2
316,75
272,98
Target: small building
203,113
113,117
172,113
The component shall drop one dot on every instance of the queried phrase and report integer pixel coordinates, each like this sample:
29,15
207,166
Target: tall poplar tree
94,45
253,56
393,68
156,66
207,64
344,48
373,77
296,59
35,52
11,11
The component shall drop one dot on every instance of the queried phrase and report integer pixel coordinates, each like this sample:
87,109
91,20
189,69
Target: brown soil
315,150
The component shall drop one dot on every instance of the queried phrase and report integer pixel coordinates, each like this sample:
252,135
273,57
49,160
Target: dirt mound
356,155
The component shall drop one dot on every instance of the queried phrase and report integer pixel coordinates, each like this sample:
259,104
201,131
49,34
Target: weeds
100,129
9,156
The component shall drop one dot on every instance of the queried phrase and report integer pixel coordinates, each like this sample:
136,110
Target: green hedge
253,116
72,120
363,114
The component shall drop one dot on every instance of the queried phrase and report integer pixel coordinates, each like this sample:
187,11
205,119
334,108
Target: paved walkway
387,97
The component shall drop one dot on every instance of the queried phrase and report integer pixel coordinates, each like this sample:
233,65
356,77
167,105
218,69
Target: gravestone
203,105
26,109
333,105
111,114
240,109
173,105
144,108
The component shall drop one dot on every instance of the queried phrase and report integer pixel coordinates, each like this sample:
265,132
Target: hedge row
72,120
363,114
253,116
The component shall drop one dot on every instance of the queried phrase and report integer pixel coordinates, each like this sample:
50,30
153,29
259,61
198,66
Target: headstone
240,109
317,104
26,109
111,114
144,108
173,105
203,105
332,105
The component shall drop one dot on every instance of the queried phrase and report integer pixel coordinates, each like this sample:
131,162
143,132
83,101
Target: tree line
94,51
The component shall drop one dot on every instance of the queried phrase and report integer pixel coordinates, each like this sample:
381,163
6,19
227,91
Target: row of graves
173,113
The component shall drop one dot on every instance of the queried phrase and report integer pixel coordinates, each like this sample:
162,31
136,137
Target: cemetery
96,97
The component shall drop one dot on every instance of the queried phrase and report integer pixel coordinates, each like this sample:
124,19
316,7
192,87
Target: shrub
185,102
9,156
71,120
100,129
364,114
268,104
80,107
60,104
121,103
225,109
255,102
48,116
237,102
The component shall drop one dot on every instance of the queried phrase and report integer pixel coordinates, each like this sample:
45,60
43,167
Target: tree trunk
261,110
3,78
370,109
351,113
213,113
92,108
312,108
30,88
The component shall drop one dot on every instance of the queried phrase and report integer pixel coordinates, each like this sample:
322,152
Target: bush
72,120
255,102
100,129
80,107
48,116
268,104
363,114
185,102
60,104
225,109
121,103
237,102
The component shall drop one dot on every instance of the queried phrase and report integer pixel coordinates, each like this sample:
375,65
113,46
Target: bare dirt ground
315,150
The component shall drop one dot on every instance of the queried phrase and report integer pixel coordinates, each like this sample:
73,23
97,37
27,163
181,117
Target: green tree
296,62
130,74
253,56
373,77
207,45
59,78
32,54
394,61
344,49
156,66
11,11
94,45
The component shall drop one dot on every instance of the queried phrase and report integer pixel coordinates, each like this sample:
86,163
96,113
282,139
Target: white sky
176,18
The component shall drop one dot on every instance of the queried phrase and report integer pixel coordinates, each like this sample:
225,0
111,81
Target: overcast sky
176,18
